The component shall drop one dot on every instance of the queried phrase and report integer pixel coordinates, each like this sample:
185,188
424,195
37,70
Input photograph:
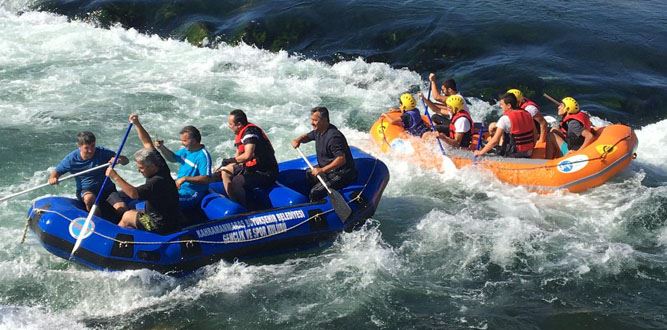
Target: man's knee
88,197
128,219
121,208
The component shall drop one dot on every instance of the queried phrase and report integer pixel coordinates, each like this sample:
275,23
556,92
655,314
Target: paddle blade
341,207
85,230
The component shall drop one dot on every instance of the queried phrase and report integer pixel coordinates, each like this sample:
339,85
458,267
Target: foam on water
457,237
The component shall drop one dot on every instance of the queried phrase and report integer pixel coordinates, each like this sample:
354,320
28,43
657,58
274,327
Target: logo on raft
77,224
572,164
402,146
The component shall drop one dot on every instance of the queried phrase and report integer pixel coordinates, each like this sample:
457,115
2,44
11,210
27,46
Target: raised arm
166,153
437,108
434,89
143,135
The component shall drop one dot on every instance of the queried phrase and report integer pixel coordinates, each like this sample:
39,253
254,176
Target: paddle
340,206
48,184
89,218
449,165
551,99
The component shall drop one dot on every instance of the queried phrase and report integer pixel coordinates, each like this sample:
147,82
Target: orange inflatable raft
612,151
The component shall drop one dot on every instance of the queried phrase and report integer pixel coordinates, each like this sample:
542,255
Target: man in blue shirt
195,161
87,156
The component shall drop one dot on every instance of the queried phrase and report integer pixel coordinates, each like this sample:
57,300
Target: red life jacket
467,137
527,102
580,116
241,148
522,129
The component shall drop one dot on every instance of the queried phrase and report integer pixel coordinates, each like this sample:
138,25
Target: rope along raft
191,241
602,156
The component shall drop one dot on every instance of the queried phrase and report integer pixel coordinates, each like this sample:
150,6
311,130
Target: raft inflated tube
612,151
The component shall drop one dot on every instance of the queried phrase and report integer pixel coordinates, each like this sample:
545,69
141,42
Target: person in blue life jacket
459,132
515,127
254,164
194,160
575,131
86,156
411,118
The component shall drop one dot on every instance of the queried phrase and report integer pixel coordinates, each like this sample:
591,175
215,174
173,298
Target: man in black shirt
334,158
162,213
254,164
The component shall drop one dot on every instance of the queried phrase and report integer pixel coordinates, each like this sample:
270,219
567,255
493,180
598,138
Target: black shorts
110,196
253,179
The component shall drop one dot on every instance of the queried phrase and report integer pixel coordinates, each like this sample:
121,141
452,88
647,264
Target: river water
444,250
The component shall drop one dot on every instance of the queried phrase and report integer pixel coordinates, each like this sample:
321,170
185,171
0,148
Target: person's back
517,126
162,213
161,196
411,119
413,123
575,130
265,155
533,109
573,127
519,138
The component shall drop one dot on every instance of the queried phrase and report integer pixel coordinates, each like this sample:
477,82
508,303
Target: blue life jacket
413,123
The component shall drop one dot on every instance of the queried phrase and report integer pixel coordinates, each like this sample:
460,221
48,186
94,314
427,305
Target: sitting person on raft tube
411,118
459,132
194,160
526,104
575,128
162,214
88,156
448,88
517,126
254,164
334,158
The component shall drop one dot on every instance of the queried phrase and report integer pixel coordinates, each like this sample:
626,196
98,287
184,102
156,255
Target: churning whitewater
452,250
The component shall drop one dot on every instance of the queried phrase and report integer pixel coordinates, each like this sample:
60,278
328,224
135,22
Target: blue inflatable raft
222,230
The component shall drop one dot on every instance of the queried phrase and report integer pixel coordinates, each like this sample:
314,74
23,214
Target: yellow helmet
571,105
407,102
455,102
517,93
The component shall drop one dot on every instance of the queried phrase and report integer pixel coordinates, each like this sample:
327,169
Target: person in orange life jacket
254,164
194,160
411,118
441,114
518,127
534,110
334,157
162,213
459,132
575,128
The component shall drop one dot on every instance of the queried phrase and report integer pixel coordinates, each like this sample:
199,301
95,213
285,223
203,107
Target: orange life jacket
241,148
522,129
